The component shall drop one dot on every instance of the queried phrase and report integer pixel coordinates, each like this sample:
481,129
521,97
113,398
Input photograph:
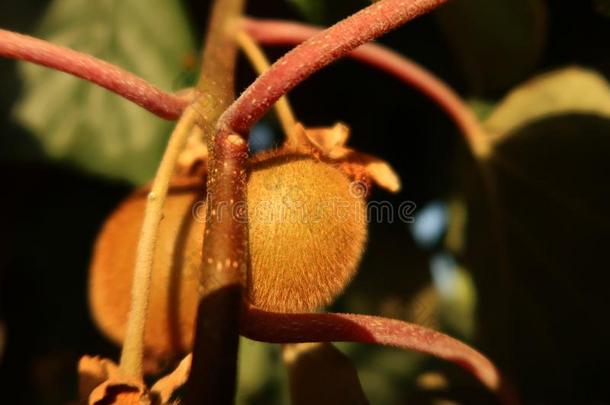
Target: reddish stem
104,74
296,328
299,328
316,53
274,32
223,271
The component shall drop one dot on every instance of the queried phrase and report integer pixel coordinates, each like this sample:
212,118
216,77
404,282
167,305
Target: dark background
50,213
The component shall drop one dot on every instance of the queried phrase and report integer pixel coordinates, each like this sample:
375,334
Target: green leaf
537,233
602,7
87,126
482,108
312,10
325,12
497,43
260,370
319,373
565,91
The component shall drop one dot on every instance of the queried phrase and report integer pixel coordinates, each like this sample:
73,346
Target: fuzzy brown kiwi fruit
307,230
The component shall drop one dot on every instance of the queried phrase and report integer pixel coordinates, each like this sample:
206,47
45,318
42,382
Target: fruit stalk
261,64
316,53
277,32
212,378
87,67
133,346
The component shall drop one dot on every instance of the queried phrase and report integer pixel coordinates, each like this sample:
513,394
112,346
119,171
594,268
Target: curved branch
261,64
316,53
87,67
273,327
275,32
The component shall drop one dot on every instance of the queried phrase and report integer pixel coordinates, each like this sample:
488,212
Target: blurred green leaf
324,12
312,10
320,374
90,127
261,375
394,281
457,298
497,43
602,7
537,234
568,90
482,107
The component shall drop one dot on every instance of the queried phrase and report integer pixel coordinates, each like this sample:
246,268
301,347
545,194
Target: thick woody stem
225,250
316,53
104,74
275,32
223,275
216,81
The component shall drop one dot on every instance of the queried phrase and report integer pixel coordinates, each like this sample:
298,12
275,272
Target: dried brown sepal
164,390
93,371
322,141
120,392
102,383
329,143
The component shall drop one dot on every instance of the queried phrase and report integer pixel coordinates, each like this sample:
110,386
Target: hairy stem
225,250
274,32
133,346
273,327
261,64
104,74
316,53
216,81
